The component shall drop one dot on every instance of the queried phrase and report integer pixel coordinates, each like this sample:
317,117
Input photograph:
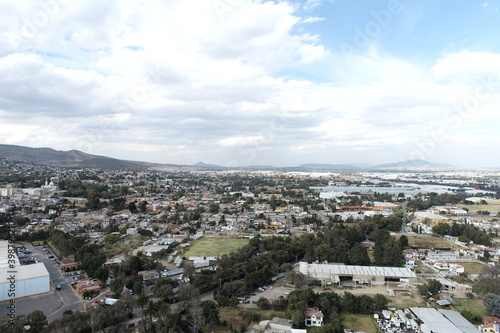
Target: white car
286,292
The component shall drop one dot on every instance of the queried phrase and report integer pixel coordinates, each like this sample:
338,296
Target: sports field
214,247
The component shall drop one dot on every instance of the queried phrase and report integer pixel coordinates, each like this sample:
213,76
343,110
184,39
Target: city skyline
240,82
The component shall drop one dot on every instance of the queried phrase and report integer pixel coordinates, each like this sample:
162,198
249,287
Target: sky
248,82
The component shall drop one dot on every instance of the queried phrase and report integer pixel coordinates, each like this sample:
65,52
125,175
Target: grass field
473,305
214,247
430,242
363,323
472,267
474,208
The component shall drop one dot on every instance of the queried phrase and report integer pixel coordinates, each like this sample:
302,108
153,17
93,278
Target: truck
109,301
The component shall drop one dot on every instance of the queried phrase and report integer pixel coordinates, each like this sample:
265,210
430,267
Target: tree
37,321
263,303
403,242
142,302
359,256
489,280
163,289
132,207
492,303
380,302
210,313
434,286
297,279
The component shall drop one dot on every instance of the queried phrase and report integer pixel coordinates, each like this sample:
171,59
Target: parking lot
270,293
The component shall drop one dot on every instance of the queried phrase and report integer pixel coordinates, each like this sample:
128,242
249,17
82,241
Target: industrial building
18,281
437,320
342,274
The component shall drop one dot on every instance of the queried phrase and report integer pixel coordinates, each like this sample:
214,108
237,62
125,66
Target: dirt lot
428,242
403,298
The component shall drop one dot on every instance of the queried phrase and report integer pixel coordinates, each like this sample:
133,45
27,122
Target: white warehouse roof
347,270
443,321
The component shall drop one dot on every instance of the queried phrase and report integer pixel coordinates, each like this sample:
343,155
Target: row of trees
465,232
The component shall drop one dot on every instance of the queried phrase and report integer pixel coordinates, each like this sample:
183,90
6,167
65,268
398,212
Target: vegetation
492,303
464,232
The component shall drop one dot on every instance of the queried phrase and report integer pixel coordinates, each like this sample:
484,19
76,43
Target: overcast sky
247,82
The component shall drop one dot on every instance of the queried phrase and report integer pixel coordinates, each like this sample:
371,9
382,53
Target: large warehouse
339,273
437,320
20,281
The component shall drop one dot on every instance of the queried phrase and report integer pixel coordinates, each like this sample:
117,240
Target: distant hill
413,165
205,165
71,158
328,166
78,159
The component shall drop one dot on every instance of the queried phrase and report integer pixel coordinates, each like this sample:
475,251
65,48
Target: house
456,269
490,328
149,275
87,285
68,264
313,317
454,289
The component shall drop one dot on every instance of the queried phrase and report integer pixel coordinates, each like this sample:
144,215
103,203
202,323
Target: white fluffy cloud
217,81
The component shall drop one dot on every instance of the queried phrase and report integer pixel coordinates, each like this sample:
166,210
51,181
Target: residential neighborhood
383,238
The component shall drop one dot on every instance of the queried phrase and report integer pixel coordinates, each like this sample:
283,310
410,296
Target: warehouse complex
18,281
344,274
437,320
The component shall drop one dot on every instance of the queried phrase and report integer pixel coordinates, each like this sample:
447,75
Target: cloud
312,19
311,4
175,83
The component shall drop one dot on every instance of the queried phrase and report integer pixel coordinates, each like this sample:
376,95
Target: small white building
313,317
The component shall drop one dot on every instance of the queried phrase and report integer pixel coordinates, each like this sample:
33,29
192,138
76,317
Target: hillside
72,158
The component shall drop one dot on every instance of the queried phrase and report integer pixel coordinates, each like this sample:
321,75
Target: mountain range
78,159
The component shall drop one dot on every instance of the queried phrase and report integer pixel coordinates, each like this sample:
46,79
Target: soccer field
214,247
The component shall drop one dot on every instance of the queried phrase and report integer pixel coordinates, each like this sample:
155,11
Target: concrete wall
25,287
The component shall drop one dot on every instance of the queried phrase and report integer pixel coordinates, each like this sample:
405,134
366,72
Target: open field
234,316
474,208
124,245
402,302
430,242
473,305
214,247
472,267
357,322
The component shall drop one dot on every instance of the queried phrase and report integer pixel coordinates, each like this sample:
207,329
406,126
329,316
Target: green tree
492,304
403,242
380,302
359,255
263,303
434,286
37,321
210,313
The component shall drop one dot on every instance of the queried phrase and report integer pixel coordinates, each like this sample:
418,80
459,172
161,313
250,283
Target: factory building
345,274
18,281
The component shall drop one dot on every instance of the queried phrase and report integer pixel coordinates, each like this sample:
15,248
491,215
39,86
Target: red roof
313,312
